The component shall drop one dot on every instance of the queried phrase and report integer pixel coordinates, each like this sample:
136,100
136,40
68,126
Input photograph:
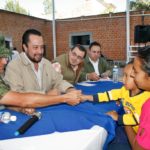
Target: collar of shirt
95,65
37,73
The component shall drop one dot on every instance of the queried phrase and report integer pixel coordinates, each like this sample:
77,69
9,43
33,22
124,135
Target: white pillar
127,30
54,29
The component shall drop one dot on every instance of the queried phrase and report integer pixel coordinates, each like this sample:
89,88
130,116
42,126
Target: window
83,38
8,42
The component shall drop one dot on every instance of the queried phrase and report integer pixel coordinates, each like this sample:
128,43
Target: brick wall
109,30
14,25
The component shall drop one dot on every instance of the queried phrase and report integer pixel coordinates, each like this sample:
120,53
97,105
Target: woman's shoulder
146,105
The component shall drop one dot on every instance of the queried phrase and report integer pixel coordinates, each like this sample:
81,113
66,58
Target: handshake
74,97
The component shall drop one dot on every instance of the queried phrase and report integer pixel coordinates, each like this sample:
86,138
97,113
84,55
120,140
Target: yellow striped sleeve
130,119
110,95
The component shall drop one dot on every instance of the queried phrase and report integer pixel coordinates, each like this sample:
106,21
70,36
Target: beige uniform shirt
21,77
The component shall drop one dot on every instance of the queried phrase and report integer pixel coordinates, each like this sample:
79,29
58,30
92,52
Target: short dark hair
27,33
144,54
81,48
95,43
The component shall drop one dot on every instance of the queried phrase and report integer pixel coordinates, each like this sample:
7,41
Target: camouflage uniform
4,88
4,53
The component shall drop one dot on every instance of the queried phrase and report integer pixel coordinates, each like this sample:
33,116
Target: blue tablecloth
99,86
64,118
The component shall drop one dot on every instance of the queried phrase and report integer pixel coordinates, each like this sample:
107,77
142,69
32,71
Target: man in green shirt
95,66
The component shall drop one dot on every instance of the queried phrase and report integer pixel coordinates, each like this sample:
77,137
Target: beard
35,59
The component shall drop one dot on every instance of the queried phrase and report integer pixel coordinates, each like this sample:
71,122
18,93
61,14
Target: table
63,118
98,86
92,139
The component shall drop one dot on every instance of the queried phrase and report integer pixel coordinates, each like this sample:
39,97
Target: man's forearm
30,99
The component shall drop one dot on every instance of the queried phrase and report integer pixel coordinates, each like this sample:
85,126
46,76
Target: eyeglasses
77,56
96,52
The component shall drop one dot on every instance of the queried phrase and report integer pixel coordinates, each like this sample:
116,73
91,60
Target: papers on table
101,79
93,83
105,79
86,84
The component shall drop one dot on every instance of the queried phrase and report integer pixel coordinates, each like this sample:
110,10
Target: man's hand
28,111
57,67
106,74
93,76
73,97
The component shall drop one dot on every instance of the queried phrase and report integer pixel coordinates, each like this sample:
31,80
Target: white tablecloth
91,139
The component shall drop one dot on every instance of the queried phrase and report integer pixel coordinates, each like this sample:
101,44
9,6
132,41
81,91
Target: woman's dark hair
144,54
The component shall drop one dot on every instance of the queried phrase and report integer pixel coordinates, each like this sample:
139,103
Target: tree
139,5
109,7
47,7
14,6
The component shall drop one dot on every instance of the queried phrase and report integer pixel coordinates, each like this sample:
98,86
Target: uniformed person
4,54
